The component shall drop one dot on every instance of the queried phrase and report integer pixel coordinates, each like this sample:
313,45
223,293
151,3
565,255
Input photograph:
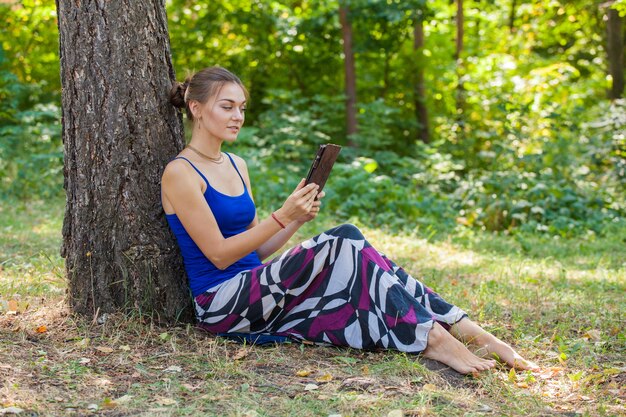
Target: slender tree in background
350,72
460,90
419,94
615,31
118,132
512,14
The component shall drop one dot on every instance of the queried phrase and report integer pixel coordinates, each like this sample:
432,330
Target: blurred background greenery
517,131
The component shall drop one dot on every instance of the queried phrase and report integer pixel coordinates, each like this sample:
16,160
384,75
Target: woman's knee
346,230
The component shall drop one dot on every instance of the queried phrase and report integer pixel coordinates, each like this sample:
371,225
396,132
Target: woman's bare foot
487,345
444,348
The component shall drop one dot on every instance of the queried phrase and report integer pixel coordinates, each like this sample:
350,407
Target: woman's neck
208,146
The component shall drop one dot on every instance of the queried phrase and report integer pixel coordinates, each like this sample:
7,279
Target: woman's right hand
298,203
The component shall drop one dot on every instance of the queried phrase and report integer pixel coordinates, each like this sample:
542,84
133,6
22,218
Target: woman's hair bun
177,94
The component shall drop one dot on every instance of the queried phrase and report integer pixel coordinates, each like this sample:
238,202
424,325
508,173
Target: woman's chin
230,138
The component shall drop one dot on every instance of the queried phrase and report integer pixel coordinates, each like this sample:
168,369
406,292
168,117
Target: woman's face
223,114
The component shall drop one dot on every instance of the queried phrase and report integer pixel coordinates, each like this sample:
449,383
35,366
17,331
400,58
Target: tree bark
459,29
119,132
350,72
512,14
616,53
460,90
419,94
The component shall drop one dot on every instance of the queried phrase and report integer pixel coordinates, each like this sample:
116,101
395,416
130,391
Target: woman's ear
194,106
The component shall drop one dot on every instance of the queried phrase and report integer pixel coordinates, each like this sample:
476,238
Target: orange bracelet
277,221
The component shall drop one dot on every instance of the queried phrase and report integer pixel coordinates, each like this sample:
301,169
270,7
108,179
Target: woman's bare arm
184,193
277,241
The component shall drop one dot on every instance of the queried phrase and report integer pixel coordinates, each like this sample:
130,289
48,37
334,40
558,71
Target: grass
560,302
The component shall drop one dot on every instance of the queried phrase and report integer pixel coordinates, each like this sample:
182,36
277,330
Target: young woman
334,288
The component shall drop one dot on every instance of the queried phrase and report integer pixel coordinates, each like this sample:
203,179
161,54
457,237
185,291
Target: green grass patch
559,301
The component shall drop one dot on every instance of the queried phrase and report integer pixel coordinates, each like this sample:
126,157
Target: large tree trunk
616,53
419,94
118,133
350,72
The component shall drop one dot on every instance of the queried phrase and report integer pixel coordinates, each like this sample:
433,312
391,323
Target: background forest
507,126
484,149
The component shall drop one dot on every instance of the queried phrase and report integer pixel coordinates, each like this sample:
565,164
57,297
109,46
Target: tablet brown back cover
322,164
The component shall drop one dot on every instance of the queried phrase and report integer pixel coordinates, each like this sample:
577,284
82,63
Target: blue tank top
233,214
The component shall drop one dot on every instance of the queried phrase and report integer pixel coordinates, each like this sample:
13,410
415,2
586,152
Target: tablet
322,164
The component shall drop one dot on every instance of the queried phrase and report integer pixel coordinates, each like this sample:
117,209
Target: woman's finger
305,190
300,184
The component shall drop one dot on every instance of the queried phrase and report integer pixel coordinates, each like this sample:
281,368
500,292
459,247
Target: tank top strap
238,173
197,170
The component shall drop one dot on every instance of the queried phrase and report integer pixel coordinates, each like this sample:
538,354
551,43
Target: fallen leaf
173,368
108,403
83,342
83,361
360,383
575,376
240,354
41,329
522,385
310,387
512,376
547,373
304,372
593,334
123,399
165,401
429,387
611,371
125,348
12,308
395,413
324,378
10,410
105,349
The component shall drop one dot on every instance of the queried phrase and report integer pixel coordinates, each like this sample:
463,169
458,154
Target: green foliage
378,124
30,41
31,157
534,145
605,140
504,200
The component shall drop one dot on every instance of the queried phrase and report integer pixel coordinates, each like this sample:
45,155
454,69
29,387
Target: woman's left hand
315,208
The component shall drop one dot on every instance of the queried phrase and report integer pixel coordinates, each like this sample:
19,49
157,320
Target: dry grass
561,308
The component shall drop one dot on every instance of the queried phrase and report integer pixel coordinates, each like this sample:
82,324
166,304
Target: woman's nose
238,114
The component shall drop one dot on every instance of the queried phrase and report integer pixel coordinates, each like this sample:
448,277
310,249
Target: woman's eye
243,109
227,108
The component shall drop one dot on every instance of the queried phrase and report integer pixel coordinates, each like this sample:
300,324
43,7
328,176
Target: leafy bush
505,200
31,156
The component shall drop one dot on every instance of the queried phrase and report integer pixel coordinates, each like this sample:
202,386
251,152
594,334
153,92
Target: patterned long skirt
334,288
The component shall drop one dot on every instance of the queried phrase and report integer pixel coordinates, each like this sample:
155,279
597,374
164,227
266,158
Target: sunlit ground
559,302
